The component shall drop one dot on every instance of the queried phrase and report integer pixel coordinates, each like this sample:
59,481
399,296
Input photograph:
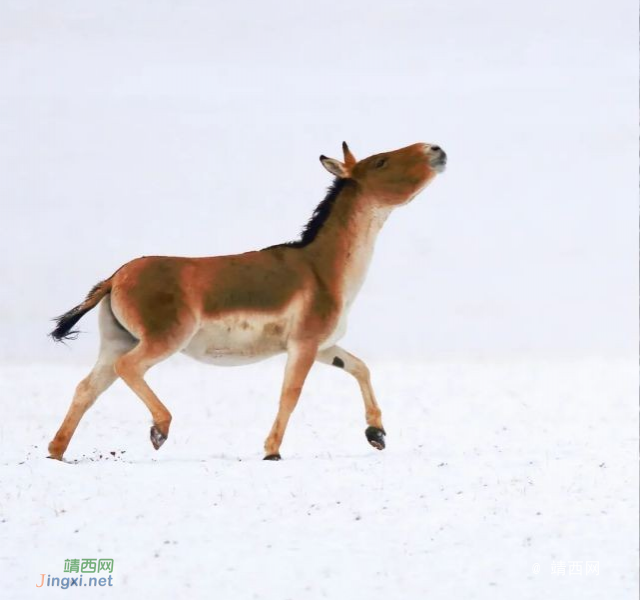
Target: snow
491,467
499,316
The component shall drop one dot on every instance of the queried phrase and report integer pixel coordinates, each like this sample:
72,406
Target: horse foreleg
299,361
342,359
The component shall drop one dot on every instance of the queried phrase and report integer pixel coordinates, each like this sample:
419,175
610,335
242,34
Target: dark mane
319,216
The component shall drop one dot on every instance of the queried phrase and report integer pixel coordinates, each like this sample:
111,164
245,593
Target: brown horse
291,298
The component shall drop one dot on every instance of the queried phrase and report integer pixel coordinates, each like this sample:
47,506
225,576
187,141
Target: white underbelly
238,340
243,339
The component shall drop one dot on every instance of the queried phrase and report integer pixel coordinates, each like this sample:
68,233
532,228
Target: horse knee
361,371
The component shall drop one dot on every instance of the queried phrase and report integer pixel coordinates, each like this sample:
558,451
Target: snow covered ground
494,469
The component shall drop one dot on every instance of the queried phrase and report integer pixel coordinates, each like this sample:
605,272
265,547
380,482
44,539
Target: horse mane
319,217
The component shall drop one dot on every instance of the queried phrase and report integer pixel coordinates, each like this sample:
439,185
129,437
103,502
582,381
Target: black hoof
272,457
157,437
375,437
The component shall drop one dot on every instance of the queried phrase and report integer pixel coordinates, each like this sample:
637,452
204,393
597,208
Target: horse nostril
436,148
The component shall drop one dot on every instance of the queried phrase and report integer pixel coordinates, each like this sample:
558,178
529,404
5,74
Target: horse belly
238,340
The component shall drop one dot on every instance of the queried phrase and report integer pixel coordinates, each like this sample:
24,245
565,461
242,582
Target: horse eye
381,162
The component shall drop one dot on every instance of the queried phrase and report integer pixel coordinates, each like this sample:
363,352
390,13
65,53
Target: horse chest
338,332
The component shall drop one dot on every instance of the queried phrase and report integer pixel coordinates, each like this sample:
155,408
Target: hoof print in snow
272,457
376,437
157,437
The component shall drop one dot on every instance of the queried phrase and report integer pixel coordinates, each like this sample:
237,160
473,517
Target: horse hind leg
133,365
131,368
114,342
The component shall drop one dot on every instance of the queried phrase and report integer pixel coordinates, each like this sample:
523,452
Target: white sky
194,128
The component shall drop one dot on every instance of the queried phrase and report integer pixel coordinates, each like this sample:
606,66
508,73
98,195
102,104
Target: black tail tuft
65,322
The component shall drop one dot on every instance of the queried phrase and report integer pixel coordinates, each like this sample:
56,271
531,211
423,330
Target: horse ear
349,158
335,167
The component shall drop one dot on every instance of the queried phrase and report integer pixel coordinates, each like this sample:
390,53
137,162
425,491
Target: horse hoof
272,457
375,436
157,437
54,451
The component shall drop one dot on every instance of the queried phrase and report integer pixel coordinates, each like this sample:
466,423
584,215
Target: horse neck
342,251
